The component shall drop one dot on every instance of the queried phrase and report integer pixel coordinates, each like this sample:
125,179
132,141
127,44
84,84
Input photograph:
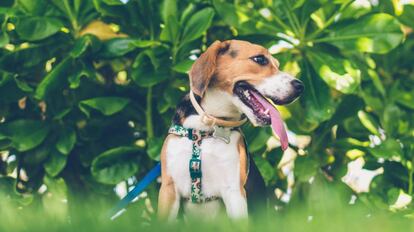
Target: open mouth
248,95
264,112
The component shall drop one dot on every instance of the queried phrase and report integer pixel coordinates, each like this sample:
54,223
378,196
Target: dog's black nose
298,85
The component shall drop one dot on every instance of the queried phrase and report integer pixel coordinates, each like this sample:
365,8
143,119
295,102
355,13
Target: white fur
220,175
278,86
219,103
220,162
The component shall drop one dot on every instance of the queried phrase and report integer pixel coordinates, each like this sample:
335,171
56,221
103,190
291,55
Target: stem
280,22
292,24
148,114
410,168
72,18
410,182
293,21
330,21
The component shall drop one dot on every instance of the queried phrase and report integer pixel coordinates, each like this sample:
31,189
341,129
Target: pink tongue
277,123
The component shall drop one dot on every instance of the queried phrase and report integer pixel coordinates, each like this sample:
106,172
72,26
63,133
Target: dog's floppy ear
204,67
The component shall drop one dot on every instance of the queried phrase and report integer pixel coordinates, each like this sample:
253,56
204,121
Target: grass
325,216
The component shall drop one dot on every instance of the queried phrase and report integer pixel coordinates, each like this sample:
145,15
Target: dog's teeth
266,111
247,94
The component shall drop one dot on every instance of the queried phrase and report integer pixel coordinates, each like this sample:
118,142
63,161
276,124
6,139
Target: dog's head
248,74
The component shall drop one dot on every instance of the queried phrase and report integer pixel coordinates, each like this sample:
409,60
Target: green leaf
33,7
197,25
172,96
376,81
66,141
23,86
55,163
154,147
55,79
337,72
391,118
115,165
33,28
162,106
259,141
146,58
318,103
113,2
117,47
227,11
4,38
368,122
305,168
145,43
183,66
265,168
376,33
171,30
388,149
169,9
83,43
392,195
145,73
24,134
407,16
38,155
106,105
405,98
75,78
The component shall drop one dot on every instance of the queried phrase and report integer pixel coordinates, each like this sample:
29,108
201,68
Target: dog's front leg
168,201
168,198
236,204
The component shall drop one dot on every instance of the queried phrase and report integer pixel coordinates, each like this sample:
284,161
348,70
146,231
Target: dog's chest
220,164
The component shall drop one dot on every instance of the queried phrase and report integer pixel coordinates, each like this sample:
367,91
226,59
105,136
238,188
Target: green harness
197,137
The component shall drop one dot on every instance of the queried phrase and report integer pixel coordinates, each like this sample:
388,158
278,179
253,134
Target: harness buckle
195,168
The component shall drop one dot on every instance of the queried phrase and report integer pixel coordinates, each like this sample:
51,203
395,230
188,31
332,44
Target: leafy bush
88,89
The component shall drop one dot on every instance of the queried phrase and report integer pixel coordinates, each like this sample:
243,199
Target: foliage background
88,89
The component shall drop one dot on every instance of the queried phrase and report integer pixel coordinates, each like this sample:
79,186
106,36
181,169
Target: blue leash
120,207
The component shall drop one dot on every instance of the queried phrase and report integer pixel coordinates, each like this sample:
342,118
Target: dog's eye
260,59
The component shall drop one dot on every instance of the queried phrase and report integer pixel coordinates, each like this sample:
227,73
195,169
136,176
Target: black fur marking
184,109
224,49
233,53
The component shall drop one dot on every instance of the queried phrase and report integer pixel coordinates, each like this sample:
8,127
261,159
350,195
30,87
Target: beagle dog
231,82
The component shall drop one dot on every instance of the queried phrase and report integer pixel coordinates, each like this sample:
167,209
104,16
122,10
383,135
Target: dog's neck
219,104
216,103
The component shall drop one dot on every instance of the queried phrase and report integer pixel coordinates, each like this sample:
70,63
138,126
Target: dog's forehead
247,48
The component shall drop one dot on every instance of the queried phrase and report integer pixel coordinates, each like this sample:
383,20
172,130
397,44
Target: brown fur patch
243,165
167,194
230,70
205,66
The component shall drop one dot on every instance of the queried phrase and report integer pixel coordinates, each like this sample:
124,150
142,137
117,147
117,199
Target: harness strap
195,162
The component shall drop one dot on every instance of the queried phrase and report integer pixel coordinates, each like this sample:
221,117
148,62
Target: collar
210,120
